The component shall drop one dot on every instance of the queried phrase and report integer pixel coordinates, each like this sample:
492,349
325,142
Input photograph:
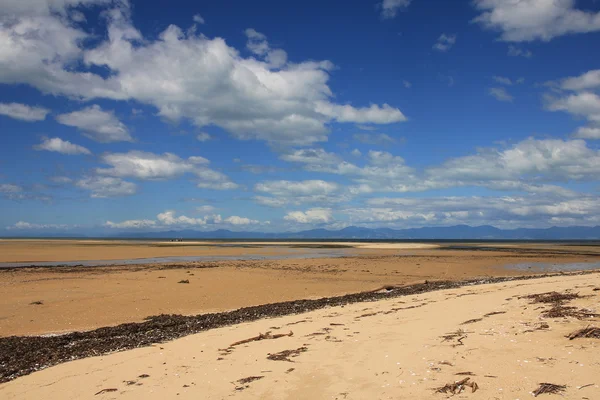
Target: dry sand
90,297
390,349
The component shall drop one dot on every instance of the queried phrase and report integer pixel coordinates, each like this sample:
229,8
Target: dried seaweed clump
457,387
286,354
552,297
549,388
560,311
589,332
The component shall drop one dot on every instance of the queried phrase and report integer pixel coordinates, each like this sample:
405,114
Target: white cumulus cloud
23,112
97,124
61,146
529,20
105,186
310,216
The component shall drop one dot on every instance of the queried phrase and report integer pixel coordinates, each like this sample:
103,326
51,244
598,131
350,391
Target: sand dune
388,349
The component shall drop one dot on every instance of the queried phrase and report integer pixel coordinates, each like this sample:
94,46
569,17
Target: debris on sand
560,311
494,313
36,303
106,391
589,332
549,388
286,354
466,373
459,335
552,297
245,381
261,336
472,321
184,281
22,355
249,379
457,387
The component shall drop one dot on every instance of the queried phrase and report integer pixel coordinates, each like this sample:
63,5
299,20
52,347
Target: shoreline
22,355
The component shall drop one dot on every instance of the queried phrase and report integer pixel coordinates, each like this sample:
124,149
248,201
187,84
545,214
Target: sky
127,115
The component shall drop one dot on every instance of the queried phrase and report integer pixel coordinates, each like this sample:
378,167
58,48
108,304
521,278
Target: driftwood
589,332
549,388
106,391
261,336
457,387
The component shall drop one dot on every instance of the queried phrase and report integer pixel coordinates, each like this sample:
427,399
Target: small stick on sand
106,391
589,332
261,336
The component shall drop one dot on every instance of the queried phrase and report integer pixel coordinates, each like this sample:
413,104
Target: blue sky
120,115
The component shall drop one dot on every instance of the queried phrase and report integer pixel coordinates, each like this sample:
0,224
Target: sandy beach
65,299
383,322
403,347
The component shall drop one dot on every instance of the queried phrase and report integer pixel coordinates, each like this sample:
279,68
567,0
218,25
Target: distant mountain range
458,232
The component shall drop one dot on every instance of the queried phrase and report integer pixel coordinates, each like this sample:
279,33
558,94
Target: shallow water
554,267
293,254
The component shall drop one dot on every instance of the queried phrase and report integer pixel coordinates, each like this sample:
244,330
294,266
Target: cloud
274,202
533,210
145,166
47,7
104,186
299,192
131,224
203,137
205,209
502,80
149,166
23,112
515,51
258,169
97,124
374,138
8,188
390,8
198,19
235,220
373,114
406,84
529,20
356,153
586,132
500,94
61,146
263,96
29,226
311,216
170,219
14,192
311,156
444,42
587,81
543,160
580,97
583,104
298,188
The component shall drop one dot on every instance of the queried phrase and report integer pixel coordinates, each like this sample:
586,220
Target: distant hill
458,232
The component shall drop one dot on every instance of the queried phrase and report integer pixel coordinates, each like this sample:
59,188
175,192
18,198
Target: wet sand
54,300
33,251
401,347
